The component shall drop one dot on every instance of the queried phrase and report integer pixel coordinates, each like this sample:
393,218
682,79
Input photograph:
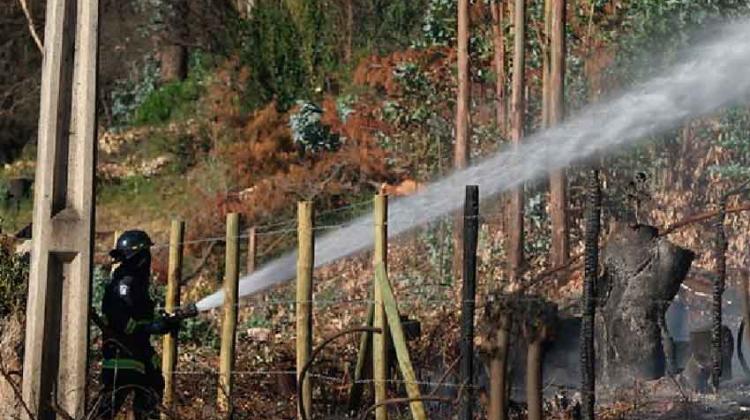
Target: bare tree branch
19,396
32,29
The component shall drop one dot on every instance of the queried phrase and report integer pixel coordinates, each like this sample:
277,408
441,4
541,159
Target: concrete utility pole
57,322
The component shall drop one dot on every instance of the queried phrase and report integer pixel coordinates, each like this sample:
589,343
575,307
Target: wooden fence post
305,264
380,341
399,342
229,324
252,252
471,230
174,276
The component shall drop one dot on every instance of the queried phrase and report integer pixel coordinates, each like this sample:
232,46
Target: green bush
270,47
171,100
199,331
129,94
14,275
308,133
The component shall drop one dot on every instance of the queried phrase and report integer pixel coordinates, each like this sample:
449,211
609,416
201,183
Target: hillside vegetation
327,100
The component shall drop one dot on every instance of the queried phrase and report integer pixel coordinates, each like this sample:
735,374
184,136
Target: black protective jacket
130,320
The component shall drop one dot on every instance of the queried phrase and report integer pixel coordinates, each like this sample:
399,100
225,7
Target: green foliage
308,133
128,95
438,238
140,100
439,25
4,193
734,136
270,48
171,100
537,224
393,23
654,32
14,275
200,332
99,282
422,118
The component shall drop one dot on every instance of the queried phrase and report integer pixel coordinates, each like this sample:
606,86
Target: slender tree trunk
545,40
349,30
461,148
534,376
515,211
174,54
498,409
497,7
461,151
560,249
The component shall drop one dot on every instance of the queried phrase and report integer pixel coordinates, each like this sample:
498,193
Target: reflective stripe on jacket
121,364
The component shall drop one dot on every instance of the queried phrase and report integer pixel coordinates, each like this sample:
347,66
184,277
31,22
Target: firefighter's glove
172,323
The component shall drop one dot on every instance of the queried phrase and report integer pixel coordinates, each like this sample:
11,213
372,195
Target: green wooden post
380,341
399,342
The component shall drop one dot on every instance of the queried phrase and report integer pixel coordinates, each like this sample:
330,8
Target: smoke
715,75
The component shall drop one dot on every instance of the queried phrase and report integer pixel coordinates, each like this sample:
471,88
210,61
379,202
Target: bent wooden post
380,341
399,342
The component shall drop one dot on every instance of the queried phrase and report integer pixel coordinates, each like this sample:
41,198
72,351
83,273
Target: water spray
715,76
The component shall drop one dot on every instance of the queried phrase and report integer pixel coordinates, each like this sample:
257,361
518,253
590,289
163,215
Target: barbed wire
322,377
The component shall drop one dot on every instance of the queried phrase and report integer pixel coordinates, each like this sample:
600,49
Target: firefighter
131,364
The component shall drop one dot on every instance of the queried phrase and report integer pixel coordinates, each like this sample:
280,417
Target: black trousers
147,388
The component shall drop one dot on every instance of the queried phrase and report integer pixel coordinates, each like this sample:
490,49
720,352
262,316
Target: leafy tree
270,48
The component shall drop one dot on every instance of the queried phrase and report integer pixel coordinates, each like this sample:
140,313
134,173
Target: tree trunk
560,247
534,375
545,38
497,8
461,147
718,292
642,274
498,409
515,210
174,53
349,31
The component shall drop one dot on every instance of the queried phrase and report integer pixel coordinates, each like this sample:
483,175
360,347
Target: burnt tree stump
642,273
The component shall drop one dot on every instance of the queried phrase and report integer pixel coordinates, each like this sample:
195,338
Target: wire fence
403,269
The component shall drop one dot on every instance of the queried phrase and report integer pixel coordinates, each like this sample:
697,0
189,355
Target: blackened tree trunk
591,271
642,275
718,291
